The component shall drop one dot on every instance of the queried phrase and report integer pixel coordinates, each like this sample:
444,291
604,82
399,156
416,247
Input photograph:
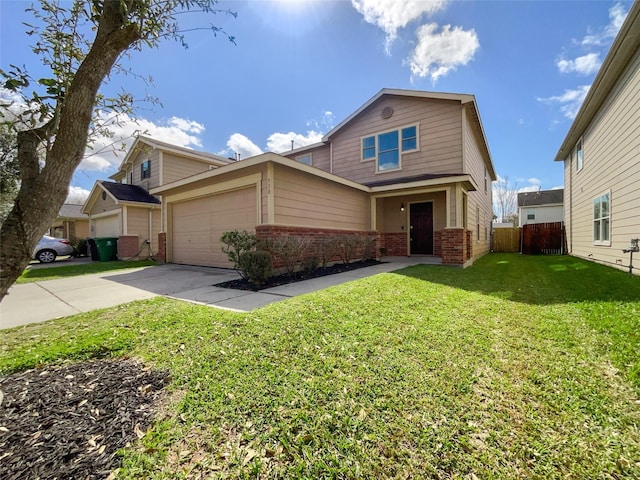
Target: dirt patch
69,422
285,279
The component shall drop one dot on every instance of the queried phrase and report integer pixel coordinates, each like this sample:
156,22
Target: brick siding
454,245
128,247
161,255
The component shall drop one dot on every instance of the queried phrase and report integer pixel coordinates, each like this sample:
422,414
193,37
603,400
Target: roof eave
624,47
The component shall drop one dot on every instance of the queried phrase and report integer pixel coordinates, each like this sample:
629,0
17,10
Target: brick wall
454,245
128,247
161,255
316,239
395,244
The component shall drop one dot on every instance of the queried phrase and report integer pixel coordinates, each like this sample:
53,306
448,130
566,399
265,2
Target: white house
543,206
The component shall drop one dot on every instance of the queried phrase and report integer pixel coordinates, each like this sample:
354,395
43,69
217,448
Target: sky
300,67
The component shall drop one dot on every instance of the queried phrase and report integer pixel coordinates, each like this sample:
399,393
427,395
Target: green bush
290,249
238,243
255,266
309,264
79,247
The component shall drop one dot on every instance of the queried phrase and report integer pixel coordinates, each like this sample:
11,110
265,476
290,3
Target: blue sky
299,67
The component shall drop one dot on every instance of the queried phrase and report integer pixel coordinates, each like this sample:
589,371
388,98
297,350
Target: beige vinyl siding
108,226
307,201
175,167
101,206
153,155
611,164
440,139
476,166
198,224
320,156
138,219
393,219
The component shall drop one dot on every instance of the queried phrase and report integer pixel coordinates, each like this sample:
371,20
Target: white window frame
401,152
599,219
579,154
300,157
142,170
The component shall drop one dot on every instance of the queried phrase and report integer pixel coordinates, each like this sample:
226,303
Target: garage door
106,226
198,225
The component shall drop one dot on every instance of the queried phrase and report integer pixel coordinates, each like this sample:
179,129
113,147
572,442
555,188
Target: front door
421,228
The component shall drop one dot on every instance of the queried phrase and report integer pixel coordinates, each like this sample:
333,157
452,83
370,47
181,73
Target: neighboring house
543,206
125,210
70,223
410,169
601,155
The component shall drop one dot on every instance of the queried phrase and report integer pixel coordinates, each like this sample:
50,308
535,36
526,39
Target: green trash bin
107,249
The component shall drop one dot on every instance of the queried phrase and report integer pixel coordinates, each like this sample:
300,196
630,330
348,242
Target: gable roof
123,192
466,100
71,210
120,193
622,50
541,197
142,140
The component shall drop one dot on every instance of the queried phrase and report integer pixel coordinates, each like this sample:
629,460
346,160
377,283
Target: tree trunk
43,192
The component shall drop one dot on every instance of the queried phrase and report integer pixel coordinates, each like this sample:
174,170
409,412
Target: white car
49,248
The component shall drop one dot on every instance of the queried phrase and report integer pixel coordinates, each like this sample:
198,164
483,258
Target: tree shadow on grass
540,280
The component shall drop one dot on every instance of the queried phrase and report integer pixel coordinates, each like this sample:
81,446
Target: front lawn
518,367
54,273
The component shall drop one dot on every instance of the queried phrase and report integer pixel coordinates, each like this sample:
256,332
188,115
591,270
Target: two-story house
124,208
601,155
410,168
542,206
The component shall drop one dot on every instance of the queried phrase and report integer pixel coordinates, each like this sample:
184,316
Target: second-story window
579,155
387,147
145,170
306,159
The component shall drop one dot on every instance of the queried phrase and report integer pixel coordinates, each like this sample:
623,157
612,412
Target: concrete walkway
46,300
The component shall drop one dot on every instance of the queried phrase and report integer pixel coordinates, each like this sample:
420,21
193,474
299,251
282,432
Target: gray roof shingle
542,197
129,193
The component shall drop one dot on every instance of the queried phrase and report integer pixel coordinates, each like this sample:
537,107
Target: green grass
53,273
518,367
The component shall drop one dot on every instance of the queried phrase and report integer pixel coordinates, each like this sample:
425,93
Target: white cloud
570,101
437,53
281,142
584,65
392,15
77,195
240,144
106,152
617,14
534,185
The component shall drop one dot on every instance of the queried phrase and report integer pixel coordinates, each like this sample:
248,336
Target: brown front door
421,228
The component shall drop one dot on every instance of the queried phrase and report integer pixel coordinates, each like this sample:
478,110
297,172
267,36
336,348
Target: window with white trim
145,170
386,148
602,219
531,214
579,155
306,159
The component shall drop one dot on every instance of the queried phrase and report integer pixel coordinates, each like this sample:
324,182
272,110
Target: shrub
368,248
309,264
255,266
79,247
327,250
238,243
383,251
289,249
346,246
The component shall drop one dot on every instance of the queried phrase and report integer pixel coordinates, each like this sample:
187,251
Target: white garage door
198,225
106,226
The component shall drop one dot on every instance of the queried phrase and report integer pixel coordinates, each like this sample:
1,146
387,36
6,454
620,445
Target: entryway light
402,207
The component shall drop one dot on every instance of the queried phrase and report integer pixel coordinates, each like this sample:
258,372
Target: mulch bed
285,279
68,422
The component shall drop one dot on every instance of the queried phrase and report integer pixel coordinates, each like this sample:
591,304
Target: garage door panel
106,226
198,225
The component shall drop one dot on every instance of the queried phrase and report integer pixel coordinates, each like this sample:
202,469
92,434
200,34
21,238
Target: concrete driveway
46,300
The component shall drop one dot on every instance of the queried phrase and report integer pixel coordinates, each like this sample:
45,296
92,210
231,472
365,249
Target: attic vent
386,112
212,167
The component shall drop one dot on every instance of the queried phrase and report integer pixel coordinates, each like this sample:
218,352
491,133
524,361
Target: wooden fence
543,238
532,239
506,240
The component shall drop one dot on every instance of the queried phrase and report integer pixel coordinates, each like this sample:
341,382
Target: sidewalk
46,300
